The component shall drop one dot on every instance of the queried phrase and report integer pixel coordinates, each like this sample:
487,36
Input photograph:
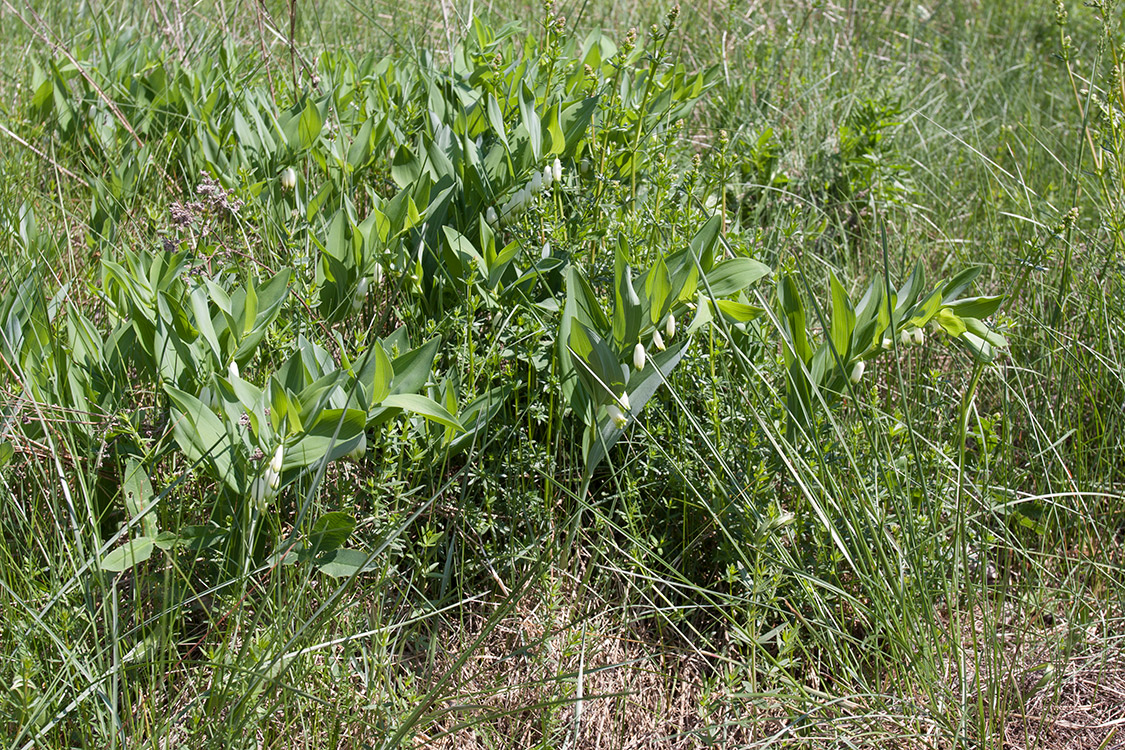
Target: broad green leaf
531,121
422,406
333,434
843,319
496,119
739,312
977,307
343,563
792,310
309,126
733,275
959,283
596,364
703,243
133,552
359,153
658,288
330,532
382,376
138,495
949,322
925,311
202,436
627,312
642,386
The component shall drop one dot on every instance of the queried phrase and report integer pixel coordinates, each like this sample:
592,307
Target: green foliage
319,364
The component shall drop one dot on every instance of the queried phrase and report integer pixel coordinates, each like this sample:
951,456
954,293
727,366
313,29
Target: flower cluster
619,411
265,486
519,202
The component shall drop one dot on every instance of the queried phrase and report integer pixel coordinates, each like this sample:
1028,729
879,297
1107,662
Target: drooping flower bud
288,178
887,344
639,356
857,372
548,176
536,184
658,340
918,336
278,459
556,167
670,327
623,401
617,416
232,370
261,493
906,337
361,293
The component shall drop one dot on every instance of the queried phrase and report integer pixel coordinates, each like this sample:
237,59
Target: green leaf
949,322
382,377
733,275
658,288
596,364
359,153
642,386
333,434
576,118
925,311
843,319
793,321
309,126
423,406
959,283
531,121
703,244
133,552
330,531
412,370
202,436
138,496
738,312
496,119
977,307
343,563
627,312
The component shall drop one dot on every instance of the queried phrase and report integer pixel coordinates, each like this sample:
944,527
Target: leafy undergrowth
750,380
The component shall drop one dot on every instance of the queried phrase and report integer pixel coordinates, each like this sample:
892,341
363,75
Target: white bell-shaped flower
639,356
857,372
